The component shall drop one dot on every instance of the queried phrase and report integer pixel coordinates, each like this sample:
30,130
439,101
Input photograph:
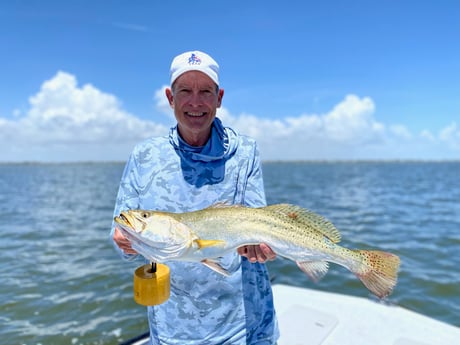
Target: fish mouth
123,217
123,220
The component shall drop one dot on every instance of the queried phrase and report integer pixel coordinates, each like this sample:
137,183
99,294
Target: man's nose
195,99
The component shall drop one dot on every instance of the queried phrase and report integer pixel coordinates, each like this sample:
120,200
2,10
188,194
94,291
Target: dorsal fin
224,204
308,218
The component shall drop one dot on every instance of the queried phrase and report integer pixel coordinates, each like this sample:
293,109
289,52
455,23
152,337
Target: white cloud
350,119
451,135
348,131
401,132
71,122
349,123
67,122
426,134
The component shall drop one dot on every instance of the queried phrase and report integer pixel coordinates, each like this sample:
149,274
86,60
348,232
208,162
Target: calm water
62,282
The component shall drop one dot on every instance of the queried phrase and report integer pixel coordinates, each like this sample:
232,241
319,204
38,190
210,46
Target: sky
309,80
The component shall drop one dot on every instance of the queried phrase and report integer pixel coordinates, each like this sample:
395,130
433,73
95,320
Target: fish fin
215,266
315,270
223,204
307,218
209,243
379,272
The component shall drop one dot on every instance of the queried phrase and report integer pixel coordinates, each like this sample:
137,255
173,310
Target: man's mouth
193,114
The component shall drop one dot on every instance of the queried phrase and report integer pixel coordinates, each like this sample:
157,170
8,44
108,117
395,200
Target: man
199,164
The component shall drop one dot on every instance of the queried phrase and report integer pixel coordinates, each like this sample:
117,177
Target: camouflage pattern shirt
205,307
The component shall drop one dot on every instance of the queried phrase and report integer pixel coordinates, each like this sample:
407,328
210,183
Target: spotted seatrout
291,231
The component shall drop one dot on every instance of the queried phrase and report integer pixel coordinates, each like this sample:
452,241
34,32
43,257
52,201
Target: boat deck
321,318
311,317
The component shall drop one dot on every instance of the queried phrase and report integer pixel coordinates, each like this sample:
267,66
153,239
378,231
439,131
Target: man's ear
219,97
170,97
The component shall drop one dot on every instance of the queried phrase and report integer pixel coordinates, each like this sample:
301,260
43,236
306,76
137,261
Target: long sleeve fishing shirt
205,307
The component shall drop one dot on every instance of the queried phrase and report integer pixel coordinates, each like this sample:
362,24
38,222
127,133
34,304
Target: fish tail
379,271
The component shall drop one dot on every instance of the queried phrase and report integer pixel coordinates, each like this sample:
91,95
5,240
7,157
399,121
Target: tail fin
380,271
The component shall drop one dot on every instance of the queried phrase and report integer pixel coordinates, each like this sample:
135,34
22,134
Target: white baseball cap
194,61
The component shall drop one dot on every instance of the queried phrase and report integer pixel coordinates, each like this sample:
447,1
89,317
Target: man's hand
257,253
122,242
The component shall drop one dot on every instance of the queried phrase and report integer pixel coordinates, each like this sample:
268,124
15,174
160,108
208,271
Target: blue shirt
205,307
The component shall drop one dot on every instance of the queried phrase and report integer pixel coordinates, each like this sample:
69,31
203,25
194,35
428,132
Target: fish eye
145,215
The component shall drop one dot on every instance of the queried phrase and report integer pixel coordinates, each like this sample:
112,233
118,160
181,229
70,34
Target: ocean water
63,283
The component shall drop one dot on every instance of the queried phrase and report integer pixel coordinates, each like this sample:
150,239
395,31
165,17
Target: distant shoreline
306,161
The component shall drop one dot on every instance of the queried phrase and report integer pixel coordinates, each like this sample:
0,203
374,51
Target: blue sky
84,80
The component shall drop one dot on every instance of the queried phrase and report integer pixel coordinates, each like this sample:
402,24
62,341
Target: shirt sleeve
127,198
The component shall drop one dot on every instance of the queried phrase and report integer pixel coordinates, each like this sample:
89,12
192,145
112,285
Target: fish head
158,236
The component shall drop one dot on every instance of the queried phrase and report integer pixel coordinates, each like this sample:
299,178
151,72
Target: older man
198,164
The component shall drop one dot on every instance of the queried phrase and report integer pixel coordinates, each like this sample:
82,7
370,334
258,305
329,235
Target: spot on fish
292,215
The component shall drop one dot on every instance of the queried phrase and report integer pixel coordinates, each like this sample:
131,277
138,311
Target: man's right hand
122,242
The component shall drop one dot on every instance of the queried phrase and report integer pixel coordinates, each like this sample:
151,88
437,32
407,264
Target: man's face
195,99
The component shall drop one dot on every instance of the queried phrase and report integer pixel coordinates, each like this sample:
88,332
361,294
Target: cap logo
194,60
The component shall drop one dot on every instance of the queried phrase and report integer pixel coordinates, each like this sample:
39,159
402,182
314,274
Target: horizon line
266,161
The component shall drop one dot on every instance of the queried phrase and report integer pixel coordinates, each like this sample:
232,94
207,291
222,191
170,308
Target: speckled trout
291,231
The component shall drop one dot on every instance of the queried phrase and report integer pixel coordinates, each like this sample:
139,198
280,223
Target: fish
291,231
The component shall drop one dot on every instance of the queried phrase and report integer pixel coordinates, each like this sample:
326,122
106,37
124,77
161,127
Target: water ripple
64,284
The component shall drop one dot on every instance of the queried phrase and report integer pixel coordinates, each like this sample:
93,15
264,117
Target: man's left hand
257,253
